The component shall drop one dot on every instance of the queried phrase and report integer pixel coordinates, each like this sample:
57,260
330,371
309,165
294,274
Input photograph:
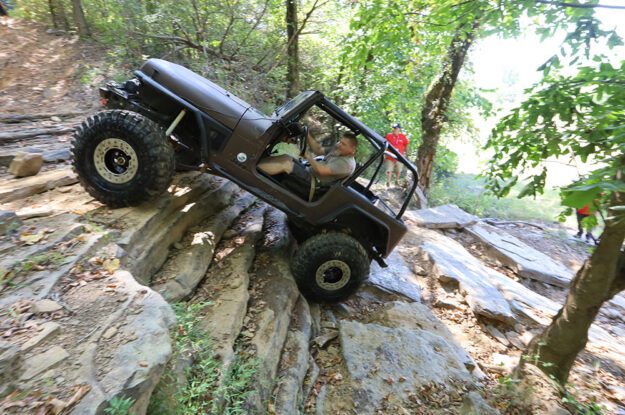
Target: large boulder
387,364
418,316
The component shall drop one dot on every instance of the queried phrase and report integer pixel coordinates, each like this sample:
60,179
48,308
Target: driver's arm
314,145
321,170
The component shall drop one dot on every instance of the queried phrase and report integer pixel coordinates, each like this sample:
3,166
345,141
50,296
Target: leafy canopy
580,116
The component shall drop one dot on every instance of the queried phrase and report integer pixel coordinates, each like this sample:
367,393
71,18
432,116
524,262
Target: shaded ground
45,73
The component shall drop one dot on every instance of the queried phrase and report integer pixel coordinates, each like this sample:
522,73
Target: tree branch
580,5
280,56
187,43
259,17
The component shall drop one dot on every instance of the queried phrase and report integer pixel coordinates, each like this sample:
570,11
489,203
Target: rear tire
122,158
330,267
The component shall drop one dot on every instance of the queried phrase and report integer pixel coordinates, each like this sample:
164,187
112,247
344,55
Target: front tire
330,267
122,158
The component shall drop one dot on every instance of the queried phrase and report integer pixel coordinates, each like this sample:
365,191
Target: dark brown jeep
169,118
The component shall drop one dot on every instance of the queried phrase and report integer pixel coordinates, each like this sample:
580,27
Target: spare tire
330,267
122,158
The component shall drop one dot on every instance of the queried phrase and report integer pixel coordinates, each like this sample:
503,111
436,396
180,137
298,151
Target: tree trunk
57,12
600,278
292,51
437,100
79,19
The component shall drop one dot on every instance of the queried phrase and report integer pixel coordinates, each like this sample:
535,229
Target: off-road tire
336,253
145,145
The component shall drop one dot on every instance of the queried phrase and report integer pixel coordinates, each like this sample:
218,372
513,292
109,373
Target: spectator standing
581,214
399,141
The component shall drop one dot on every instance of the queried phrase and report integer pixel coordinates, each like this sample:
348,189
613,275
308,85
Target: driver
338,162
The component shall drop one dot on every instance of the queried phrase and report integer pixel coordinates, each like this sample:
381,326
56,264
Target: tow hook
380,261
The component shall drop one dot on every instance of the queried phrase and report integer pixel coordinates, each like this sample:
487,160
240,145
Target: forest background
389,61
378,59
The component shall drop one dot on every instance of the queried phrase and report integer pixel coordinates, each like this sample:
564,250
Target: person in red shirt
398,140
583,213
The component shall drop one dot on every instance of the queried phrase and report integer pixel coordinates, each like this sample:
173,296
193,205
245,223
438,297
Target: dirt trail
41,71
52,77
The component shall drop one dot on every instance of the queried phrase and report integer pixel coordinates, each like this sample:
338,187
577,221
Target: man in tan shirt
338,162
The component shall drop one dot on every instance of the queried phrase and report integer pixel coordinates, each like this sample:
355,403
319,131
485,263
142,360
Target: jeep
169,118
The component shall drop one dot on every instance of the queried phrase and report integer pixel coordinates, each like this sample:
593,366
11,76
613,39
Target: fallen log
19,118
16,135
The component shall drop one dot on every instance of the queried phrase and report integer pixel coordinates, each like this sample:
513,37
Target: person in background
398,140
581,214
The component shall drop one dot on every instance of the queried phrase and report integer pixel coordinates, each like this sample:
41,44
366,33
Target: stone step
289,393
148,254
273,296
181,274
13,189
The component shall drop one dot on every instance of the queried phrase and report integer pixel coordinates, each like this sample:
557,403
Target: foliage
238,385
201,392
119,406
445,163
469,193
386,69
581,116
571,401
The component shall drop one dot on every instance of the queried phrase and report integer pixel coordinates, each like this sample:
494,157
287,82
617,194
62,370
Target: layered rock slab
488,292
440,217
397,277
14,189
521,258
189,265
451,262
150,230
275,295
114,330
294,363
226,287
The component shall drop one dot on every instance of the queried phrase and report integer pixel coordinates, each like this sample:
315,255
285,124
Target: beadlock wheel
333,275
122,158
330,267
115,160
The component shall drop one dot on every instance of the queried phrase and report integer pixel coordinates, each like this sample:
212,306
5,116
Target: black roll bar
381,143
199,115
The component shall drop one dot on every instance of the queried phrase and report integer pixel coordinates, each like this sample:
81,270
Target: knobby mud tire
320,250
155,157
